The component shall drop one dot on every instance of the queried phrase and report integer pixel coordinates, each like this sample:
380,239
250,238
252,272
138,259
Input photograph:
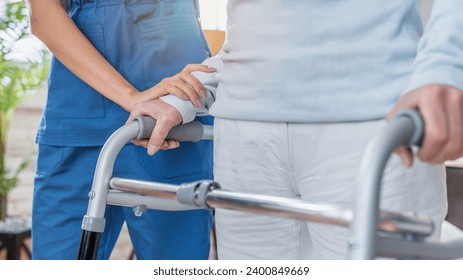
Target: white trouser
317,163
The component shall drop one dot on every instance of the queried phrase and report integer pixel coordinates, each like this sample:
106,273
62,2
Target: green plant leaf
17,78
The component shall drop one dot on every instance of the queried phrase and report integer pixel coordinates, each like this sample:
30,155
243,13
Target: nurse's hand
442,110
166,117
183,85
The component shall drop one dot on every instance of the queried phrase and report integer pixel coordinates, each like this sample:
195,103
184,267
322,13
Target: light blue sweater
328,60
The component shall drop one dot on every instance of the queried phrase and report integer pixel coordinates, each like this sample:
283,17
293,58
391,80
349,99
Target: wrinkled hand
442,111
183,85
166,117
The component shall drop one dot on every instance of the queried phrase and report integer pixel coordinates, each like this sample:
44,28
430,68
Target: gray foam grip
192,132
418,123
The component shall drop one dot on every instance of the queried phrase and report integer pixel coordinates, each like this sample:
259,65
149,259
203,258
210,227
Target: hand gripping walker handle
193,131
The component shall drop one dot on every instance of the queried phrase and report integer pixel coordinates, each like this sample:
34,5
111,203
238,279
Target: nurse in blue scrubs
108,56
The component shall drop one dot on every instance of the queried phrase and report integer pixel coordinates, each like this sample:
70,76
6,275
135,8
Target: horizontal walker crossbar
397,223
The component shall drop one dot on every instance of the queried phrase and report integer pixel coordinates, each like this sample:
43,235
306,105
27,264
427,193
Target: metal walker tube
93,222
405,129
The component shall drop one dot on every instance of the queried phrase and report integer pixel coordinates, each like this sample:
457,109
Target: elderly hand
166,117
442,110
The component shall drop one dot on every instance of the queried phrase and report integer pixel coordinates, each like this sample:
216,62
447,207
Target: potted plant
21,70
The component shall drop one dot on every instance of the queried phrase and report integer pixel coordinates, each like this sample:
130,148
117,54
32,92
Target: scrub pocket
170,40
48,158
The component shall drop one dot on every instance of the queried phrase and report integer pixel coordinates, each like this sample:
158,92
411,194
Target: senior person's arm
436,86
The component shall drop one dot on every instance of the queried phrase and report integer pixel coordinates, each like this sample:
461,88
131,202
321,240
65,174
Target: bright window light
213,14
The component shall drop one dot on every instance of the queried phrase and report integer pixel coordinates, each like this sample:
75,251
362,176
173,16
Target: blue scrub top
145,40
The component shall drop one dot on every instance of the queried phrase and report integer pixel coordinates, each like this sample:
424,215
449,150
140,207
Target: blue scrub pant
64,178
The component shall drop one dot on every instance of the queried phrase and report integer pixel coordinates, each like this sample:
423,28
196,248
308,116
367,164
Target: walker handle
192,131
416,138
405,129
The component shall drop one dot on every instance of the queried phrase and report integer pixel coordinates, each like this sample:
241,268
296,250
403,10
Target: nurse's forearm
52,25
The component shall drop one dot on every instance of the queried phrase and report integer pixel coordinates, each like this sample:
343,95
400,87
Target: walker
373,233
